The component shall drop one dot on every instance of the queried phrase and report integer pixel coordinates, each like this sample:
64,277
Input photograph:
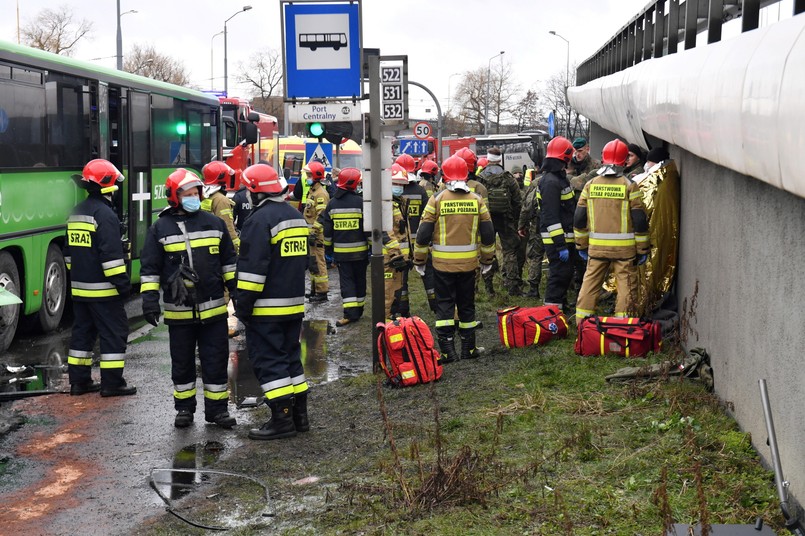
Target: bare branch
55,31
146,61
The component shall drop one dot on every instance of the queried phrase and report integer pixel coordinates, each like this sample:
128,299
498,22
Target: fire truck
247,135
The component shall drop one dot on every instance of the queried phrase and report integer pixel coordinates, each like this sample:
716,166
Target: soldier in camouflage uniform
528,229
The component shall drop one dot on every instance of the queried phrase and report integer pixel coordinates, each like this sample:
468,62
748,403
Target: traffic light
315,130
334,132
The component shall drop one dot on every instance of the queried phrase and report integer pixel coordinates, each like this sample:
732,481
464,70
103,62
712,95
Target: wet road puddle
322,364
207,498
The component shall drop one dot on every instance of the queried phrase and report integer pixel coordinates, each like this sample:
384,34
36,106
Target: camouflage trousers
510,246
535,252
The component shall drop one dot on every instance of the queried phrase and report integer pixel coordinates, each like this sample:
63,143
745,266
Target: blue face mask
191,204
309,182
396,191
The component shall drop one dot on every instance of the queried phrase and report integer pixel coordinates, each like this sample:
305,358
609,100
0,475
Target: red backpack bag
406,351
524,326
626,337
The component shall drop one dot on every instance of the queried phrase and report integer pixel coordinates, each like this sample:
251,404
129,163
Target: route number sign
391,84
422,130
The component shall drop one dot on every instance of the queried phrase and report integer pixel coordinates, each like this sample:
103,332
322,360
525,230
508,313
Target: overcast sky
440,37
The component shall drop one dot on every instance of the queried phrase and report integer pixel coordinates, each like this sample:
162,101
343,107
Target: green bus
58,113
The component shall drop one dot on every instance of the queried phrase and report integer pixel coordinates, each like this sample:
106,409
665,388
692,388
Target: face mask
309,182
191,204
396,191
359,189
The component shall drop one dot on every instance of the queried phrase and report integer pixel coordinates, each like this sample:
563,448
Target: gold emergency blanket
661,197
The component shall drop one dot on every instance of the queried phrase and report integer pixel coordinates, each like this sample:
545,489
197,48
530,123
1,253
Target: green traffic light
315,129
181,128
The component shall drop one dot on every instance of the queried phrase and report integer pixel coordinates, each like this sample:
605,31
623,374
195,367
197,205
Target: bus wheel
9,314
54,293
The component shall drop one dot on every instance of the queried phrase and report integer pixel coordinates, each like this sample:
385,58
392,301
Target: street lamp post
226,74
567,79
120,36
486,103
212,78
449,79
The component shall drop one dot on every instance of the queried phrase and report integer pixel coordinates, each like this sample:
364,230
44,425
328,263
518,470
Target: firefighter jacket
166,252
455,222
429,187
398,237
342,224
220,205
475,187
94,252
272,264
610,220
417,198
557,205
317,199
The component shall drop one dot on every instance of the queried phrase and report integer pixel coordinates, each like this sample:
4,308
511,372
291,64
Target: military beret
578,143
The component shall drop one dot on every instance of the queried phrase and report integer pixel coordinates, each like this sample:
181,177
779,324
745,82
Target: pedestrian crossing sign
321,152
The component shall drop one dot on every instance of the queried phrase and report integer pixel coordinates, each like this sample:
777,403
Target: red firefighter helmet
217,173
399,175
430,167
99,172
263,179
614,153
179,181
468,155
483,162
561,148
407,162
349,179
454,169
315,170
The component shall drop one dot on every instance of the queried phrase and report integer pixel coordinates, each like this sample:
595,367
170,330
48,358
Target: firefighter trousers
98,319
275,353
454,291
625,273
213,353
393,281
403,305
560,275
321,281
352,276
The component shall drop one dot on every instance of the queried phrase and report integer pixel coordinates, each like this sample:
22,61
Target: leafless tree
527,113
554,99
262,73
471,95
146,61
55,30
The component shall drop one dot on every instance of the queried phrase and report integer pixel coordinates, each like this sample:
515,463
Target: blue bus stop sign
322,43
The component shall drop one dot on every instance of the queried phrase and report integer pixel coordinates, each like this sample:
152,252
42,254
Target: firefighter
556,220
216,175
95,256
189,254
415,200
611,229
271,300
453,221
429,177
345,239
317,199
396,262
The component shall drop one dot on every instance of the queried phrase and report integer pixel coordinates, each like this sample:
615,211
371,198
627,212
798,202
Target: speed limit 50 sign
422,130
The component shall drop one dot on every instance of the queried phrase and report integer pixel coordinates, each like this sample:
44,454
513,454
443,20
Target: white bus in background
525,150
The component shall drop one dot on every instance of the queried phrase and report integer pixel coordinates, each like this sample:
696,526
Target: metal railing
666,25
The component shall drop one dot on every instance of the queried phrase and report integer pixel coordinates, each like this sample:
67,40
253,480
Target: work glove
486,268
583,254
641,259
399,263
564,255
177,284
152,318
420,269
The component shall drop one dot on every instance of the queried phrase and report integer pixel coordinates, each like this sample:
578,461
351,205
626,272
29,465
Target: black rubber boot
184,418
490,286
468,348
281,423
300,421
533,292
448,350
223,419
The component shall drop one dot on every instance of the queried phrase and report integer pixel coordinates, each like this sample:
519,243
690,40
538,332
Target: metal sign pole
378,279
